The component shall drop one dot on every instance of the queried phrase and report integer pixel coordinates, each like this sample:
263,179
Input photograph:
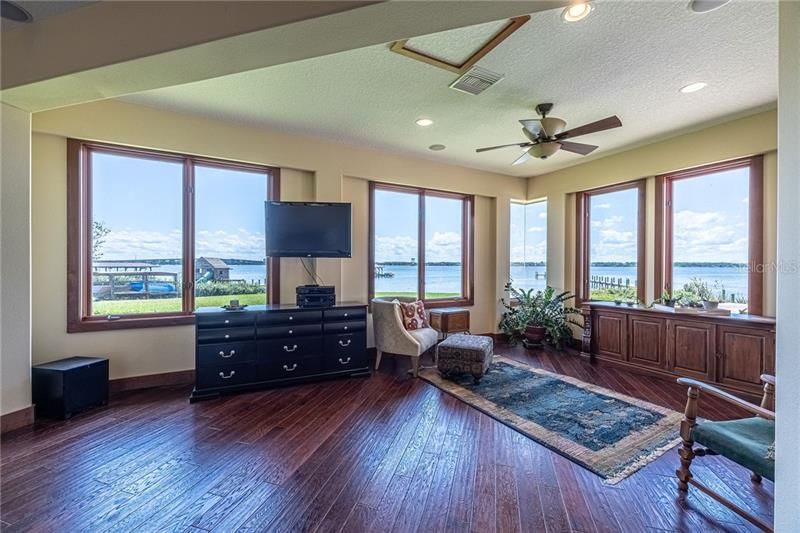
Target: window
420,244
709,243
154,235
529,245
610,255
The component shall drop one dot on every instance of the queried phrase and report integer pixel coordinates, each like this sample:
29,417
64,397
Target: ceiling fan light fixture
437,147
424,122
693,87
544,150
576,12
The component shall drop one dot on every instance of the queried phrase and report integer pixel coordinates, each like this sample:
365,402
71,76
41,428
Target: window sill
459,302
134,322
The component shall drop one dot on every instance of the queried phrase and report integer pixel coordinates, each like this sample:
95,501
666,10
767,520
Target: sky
140,201
710,220
396,227
529,232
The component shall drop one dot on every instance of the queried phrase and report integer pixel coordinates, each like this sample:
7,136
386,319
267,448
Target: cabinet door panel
691,349
647,341
745,354
610,335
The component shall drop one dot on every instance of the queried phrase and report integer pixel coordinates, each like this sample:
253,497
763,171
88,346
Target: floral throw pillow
414,315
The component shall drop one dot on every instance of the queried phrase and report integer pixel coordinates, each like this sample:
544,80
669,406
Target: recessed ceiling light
12,11
693,87
437,147
424,122
576,12
704,6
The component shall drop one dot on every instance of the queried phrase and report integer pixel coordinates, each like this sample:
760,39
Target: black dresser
278,344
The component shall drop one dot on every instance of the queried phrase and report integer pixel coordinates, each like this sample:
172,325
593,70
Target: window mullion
188,235
421,248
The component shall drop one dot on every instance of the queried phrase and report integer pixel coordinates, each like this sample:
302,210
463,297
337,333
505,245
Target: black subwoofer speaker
68,386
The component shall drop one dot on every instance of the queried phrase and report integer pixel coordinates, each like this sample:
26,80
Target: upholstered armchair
391,337
749,442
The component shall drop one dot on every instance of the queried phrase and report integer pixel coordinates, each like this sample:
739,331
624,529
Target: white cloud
395,248
135,244
543,214
602,206
536,229
709,236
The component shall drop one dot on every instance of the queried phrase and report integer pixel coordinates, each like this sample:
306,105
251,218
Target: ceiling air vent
476,80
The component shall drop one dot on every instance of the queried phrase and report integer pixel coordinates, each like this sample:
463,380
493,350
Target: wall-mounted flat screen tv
308,229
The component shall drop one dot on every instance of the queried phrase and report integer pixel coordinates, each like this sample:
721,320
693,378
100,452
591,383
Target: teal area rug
611,434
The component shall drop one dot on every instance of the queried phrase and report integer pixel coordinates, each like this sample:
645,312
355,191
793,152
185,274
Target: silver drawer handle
291,318
344,361
287,349
229,376
290,332
345,344
294,367
345,328
346,315
227,336
227,321
227,356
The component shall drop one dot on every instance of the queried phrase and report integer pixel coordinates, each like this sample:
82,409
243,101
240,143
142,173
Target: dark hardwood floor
385,453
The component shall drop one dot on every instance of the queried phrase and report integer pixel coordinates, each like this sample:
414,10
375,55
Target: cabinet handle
345,344
290,332
229,376
227,321
227,336
344,361
227,356
345,328
291,318
346,315
294,367
287,349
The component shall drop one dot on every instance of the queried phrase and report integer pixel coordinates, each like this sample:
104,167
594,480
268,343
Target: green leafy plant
544,308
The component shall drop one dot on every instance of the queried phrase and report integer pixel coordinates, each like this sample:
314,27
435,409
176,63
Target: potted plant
538,317
667,299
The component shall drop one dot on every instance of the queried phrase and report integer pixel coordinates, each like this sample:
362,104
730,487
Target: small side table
450,320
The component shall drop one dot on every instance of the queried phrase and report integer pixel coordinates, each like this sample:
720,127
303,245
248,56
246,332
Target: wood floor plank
384,453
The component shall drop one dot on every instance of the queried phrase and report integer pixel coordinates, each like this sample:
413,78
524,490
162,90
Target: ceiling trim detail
513,25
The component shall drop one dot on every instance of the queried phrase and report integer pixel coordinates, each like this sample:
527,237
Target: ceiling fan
547,136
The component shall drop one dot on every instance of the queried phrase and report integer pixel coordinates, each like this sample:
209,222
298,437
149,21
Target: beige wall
15,260
755,134
328,172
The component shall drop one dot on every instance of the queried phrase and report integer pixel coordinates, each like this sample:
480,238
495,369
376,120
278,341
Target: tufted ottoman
465,354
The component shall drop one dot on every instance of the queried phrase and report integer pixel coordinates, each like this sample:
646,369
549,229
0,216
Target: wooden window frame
79,231
467,244
583,226
755,230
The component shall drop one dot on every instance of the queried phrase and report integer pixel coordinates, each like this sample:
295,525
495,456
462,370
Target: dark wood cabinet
691,349
272,345
731,351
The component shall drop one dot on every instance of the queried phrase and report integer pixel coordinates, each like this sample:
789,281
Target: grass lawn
429,296
165,305
156,305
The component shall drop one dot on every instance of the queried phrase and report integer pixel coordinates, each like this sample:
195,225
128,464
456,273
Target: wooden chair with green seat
747,441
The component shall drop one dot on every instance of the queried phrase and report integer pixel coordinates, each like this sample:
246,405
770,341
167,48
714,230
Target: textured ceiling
626,58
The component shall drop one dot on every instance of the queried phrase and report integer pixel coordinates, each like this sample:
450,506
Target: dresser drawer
288,318
290,347
344,315
343,352
224,335
226,353
336,328
226,375
232,319
291,367
289,332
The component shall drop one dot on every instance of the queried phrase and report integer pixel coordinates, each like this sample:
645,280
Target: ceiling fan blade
502,146
593,127
522,159
533,125
577,148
